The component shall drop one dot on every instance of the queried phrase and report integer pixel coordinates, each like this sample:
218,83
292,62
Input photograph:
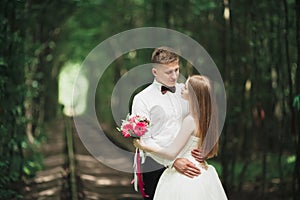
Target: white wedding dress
175,186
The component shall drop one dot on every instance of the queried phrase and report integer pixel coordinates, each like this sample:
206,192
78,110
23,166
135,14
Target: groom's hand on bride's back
186,167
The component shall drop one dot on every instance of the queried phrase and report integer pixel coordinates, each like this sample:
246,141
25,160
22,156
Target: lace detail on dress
191,144
186,152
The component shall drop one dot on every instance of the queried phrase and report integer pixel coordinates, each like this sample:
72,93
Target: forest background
255,44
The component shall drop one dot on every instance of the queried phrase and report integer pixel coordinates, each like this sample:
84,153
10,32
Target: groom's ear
154,71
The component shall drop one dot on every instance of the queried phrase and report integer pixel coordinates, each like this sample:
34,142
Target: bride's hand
137,144
199,155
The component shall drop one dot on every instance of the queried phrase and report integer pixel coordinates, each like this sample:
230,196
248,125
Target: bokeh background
255,44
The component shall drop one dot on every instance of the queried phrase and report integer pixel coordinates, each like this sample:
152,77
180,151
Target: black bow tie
164,89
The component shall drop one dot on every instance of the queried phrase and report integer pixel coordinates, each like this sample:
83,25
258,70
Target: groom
162,104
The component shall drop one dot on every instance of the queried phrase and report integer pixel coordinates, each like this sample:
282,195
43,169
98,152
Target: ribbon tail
135,178
139,175
143,156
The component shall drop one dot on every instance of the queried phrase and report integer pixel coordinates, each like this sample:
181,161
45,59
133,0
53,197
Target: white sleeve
139,107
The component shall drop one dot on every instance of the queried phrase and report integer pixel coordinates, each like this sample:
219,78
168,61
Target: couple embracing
182,135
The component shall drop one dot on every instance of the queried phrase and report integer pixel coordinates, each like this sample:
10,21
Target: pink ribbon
139,175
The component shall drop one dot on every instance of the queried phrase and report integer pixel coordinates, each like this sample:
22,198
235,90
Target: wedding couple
183,133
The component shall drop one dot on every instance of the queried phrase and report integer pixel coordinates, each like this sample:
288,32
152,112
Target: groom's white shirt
165,111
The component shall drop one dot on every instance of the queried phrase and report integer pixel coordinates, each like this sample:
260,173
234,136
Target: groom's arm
139,107
186,167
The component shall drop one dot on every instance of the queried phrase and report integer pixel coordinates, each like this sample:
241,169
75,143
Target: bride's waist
190,158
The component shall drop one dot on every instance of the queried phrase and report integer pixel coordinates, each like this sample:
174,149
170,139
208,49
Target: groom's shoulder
149,90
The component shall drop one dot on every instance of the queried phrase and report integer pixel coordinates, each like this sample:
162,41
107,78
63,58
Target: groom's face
166,74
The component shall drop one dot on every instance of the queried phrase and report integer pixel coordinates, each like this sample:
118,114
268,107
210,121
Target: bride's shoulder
189,120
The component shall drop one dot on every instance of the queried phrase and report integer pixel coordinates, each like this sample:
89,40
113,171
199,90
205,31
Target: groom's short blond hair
164,55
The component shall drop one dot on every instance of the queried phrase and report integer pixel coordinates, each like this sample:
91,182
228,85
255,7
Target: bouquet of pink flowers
134,126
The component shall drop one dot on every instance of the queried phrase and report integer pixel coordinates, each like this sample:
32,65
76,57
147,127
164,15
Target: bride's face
185,91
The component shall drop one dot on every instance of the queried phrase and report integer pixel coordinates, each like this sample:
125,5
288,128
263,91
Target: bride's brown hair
204,111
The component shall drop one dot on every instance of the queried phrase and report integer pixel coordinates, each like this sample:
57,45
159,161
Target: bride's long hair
204,111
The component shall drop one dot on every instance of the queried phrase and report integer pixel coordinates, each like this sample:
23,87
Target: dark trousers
151,174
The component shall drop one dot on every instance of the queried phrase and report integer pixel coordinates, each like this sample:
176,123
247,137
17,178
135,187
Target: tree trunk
166,6
297,165
226,157
287,54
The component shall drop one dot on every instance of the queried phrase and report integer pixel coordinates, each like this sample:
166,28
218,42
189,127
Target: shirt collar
157,84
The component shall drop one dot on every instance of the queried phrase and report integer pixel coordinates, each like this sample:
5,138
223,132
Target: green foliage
31,167
9,194
253,46
19,85
12,119
248,47
296,102
5,180
253,174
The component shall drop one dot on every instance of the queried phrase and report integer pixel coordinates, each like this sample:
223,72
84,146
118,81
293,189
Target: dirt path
94,180
98,180
51,182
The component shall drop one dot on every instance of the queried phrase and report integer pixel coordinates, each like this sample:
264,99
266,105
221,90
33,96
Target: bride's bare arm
171,151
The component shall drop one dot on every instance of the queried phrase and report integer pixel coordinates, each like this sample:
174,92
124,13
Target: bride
199,130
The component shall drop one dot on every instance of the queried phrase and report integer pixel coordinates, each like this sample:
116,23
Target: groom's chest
169,106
